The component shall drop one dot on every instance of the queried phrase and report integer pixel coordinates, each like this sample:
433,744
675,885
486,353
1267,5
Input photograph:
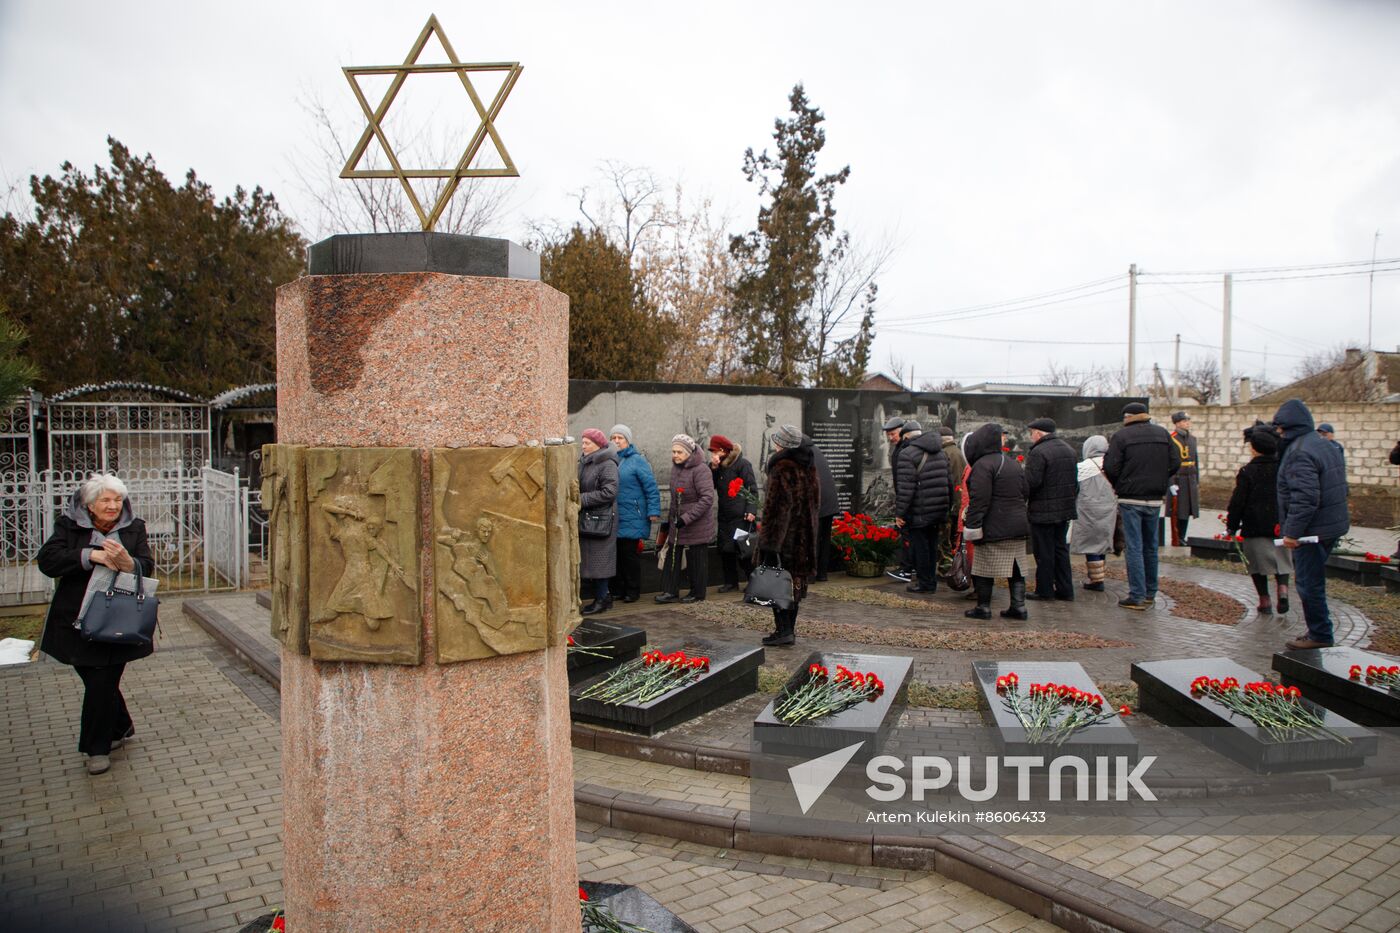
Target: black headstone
1164,692
631,904
1110,739
618,642
733,674
867,722
450,253
1323,674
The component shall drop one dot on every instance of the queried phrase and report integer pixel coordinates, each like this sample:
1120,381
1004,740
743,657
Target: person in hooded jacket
97,528
996,520
1253,514
597,491
926,488
788,529
638,506
1096,512
729,466
1312,503
1052,475
690,526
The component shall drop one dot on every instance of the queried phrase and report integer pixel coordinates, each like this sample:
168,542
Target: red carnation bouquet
1051,712
1277,710
737,489
823,695
653,675
860,538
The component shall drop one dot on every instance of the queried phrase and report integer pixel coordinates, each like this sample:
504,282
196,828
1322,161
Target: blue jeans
1310,572
1140,549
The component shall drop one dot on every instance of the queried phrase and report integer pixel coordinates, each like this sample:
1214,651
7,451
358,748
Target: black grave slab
621,642
1164,692
1390,577
1356,570
451,253
1110,739
733,674
1323,676
868,722
631,904
1213,549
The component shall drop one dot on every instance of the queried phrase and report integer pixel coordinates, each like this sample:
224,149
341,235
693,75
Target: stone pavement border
1040,885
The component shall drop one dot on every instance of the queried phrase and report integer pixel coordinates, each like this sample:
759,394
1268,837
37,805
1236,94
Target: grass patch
25,627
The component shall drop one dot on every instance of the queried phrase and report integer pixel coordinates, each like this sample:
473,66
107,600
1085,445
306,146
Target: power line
1289,278
976,310
1293,268
1075,343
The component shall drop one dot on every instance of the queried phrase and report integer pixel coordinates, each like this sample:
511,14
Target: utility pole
1225,394
1176,371
1132,329
1371,291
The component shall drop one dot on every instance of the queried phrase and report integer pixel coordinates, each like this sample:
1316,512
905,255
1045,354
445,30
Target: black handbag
770,586
960,575
120,616
595,523
747,545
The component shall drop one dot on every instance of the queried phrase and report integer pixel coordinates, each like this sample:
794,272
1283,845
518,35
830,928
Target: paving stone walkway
184,833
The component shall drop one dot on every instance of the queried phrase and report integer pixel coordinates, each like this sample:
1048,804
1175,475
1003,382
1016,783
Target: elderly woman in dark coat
996,519
788,531
1253,514
597,488
97,529
728,464
690,526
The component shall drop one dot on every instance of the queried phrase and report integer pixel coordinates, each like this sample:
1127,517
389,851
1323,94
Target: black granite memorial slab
631,904
1356,570
421,251
1390,578
868,722
1214,549
619,642
1324,676
1164,692
733,674
1110,739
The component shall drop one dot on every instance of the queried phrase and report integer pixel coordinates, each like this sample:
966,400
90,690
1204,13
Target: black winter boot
1017,610
786,634
982,589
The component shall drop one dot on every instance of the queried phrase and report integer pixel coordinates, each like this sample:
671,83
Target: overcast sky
1006,149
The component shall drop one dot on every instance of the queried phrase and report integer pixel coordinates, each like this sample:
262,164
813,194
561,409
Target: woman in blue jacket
638,505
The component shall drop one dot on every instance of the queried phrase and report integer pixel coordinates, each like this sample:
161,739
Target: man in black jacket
1052,472
1140,463
894,430
921,505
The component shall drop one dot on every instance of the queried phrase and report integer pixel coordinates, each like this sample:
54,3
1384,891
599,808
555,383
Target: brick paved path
184,833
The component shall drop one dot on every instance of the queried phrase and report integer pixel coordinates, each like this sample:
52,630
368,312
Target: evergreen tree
780,260
122,275
16,372
614,333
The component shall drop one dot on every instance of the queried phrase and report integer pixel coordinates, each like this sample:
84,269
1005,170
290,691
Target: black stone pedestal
1109,739
867,722
733,674
1323,674
620,642
451,253
1164,692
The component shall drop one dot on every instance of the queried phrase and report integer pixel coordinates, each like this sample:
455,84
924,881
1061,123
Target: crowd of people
978,501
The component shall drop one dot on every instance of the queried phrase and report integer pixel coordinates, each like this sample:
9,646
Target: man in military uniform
1184,497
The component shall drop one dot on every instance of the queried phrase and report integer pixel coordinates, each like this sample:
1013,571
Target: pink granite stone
435,797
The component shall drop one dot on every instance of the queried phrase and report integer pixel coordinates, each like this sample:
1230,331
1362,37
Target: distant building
1363,376
879,382
1018,388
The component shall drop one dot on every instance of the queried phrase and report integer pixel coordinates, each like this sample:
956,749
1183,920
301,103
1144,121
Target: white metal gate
196,523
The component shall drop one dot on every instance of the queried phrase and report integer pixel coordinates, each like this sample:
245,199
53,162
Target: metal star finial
453,174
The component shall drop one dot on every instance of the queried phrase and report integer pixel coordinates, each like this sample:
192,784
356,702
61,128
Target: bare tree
379,205
1058,374
629,209
845,284
946,385
1321,361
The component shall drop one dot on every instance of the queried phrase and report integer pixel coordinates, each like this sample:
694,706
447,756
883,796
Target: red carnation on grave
582,894
1125,710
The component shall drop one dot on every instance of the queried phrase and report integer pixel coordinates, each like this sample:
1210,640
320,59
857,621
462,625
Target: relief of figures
364,554
489,535
284,499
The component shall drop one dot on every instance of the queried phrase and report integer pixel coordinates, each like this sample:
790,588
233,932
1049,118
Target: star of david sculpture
486,128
